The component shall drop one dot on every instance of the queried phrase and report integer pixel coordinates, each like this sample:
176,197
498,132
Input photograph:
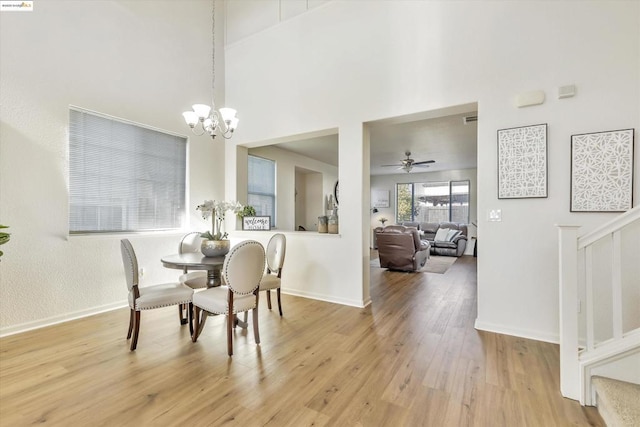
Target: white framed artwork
380,198
522,162
602,171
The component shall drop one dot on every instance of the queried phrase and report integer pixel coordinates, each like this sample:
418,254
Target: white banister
615,224
576,366
588,277
569,365
616,283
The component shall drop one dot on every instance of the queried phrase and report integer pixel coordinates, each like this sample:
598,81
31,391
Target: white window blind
123,177
261,192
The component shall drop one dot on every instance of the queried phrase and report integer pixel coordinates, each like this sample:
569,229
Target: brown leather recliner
400,248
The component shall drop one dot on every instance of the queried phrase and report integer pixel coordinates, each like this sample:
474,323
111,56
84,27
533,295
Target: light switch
495,215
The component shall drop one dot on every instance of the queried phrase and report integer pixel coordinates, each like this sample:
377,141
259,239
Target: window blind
261,192
123,177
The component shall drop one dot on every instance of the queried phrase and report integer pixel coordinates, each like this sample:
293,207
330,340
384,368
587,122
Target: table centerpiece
215,242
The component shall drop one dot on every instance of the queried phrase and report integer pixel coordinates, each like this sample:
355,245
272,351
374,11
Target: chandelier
204,118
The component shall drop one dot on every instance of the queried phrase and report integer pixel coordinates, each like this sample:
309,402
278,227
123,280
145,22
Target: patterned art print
522,162
602,171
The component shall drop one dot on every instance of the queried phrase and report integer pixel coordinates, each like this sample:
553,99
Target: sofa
452,242
401,248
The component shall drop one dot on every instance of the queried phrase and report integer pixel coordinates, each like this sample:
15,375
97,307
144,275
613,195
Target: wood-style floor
412,358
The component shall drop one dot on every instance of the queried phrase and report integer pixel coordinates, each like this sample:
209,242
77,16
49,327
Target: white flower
217,210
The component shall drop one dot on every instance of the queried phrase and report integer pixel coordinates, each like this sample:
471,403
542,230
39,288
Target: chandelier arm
193,129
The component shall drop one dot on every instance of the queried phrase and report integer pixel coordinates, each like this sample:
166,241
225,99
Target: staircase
618,401
600,314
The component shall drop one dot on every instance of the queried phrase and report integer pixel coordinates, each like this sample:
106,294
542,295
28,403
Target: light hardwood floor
412,358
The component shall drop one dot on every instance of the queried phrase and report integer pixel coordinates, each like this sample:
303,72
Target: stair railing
577,250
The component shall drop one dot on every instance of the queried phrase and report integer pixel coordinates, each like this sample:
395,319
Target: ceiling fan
408,163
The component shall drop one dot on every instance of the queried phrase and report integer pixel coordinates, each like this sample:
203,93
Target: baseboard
37,324
522,333
326,298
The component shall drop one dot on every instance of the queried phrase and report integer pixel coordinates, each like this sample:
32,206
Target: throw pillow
441,235
452,234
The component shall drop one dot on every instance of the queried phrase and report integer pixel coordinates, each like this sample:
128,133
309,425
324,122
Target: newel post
568,266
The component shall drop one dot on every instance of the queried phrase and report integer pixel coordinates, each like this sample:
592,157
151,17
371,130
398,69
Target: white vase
215,248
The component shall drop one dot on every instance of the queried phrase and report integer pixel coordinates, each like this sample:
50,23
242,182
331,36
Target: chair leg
254,315
181,313
136,330
279,302
190,315
130,323
269,299
197,325
231,320
256,332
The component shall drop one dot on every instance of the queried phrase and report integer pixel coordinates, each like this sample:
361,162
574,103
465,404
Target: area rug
435,264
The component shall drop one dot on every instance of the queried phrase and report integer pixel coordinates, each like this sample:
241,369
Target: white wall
386,59
142,61
286,164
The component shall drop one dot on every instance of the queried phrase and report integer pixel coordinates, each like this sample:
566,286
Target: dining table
196,261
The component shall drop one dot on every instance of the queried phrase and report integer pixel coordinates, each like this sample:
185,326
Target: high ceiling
444,138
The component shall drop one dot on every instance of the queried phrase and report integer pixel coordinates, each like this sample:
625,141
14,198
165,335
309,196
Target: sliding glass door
435,201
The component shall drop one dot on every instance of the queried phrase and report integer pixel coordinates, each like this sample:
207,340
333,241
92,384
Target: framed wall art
380,198
602,171
522,162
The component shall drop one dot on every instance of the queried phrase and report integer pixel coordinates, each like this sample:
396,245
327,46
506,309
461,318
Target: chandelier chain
207,118
213,51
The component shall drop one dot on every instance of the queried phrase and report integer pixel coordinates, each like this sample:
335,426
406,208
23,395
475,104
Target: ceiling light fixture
209,119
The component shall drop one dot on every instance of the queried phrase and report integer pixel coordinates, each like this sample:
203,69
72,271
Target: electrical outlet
141,271
579,306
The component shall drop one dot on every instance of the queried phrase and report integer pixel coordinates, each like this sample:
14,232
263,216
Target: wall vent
470,119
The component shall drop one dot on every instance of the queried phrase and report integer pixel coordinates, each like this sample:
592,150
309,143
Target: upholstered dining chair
148,297
190,242
194,279
276,250
242,269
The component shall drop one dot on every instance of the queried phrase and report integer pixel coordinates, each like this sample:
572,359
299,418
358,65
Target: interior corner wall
122,58
389,59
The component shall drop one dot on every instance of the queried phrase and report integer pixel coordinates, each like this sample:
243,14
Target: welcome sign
256,223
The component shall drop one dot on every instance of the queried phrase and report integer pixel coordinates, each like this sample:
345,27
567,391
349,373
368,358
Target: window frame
134,217
449,183
261,194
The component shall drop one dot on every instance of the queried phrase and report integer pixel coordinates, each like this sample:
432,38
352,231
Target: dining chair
190,242
195,279
276,250
242,269
148,297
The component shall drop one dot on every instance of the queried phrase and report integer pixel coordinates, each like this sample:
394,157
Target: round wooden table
197,261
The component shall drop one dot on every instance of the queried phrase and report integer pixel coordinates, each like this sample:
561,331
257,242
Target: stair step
617,402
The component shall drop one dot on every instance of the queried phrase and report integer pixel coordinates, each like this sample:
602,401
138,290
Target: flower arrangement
383,220
217,210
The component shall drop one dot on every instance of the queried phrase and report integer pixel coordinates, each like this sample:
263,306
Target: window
262,187
123,177
446,201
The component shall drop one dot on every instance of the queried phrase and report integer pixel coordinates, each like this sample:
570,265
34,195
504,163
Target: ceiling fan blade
424,162
392,165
